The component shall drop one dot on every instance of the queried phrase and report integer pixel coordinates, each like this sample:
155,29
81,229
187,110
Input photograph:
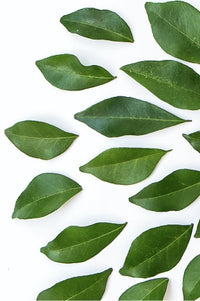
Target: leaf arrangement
175,28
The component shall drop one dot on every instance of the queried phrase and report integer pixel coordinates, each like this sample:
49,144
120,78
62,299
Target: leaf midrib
151,291
43,138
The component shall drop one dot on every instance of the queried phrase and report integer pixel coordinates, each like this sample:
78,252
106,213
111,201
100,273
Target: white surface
31,31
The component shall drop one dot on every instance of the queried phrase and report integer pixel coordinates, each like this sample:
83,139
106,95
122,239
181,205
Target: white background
31,31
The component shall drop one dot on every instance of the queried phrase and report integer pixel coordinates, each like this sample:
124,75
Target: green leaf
197,234
156,250
66,72
124,166
46,193
175,192
194,140
149,290
89,287
191,280
121,115
171,81
77,244
98,24
175,26
38,139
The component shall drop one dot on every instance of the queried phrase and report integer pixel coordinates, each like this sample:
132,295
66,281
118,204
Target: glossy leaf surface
171,81
121,115
77,244
45,193
39,139
194,140
89,287
175,192
191,280
197,234
156,250
124,166
98,24
66,72
175,26
149,290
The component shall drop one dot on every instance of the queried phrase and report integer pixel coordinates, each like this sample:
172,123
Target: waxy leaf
121,115
175,26
77,244
191,280
194,140
156,250
45,194
171,81
124,166
89,287
38,139
197,234
65,72
149,290
98,24
175,192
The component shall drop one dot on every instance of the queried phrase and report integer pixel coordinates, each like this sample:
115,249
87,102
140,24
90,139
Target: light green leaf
191,280
46,193
98,24
124,166
175,192
171,81
197,234
77,244
156,250
194,140
175,26
66,72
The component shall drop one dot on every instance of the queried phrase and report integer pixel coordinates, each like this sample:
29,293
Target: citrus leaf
124,166
98,24
197,234
89,287
156,250
171,81
66,72
175,192
191,280
78,244
149,290
175,26
38,139
194,140
46,193
121,115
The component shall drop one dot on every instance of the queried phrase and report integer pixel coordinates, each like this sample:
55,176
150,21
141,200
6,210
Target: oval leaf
149,290
124,166
171,81
38,139
77,244
89,287
119,116
98,24
175,26
191,280
175,192
156,250
197,234
45,194
66,72
194,140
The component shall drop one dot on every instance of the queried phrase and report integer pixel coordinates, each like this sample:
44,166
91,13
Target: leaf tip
43,250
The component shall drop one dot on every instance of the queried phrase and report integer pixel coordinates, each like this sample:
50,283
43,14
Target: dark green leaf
149,290
121,115
45,193
175,27
156,250
197,234
175,192
89,287
124,166
39,139
98,24
194,140
65,72
171,81
77,244
191,280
